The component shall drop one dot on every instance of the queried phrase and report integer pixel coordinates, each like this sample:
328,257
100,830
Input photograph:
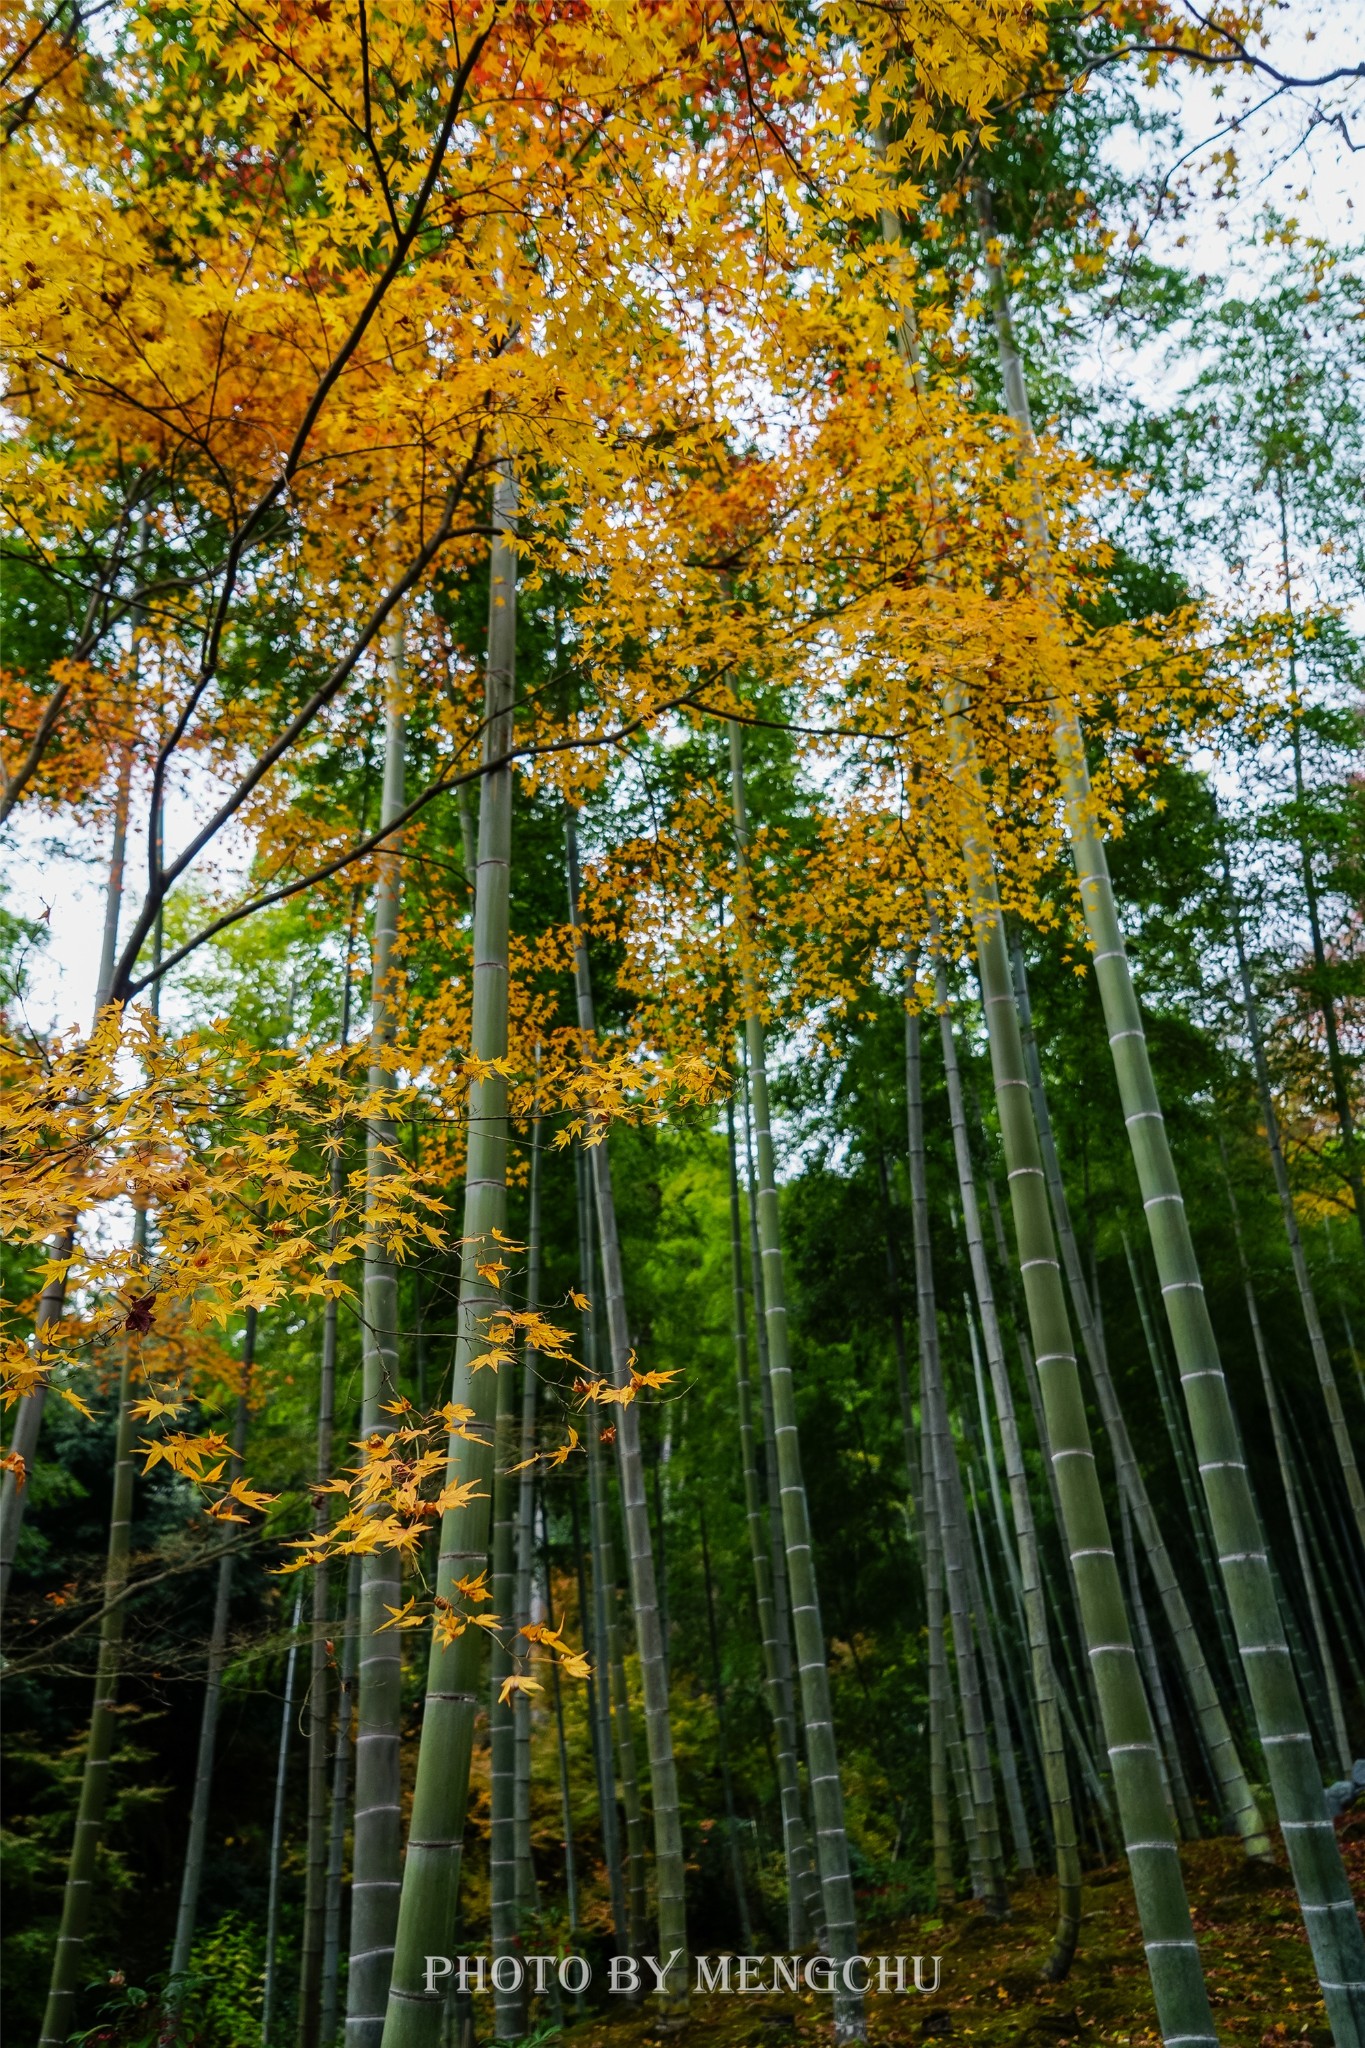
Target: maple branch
268,498
23,107
443,784
16,1667
98,620
161,879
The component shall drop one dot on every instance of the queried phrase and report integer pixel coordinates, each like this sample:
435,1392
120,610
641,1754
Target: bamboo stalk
777,1681
339,1802
940,1810
378,1843
903,1389
1070,1629
28,1421
1178,1791
1004,1740
1026,1559
723,1740
989,1880
1235,1796
1334,1931
1163,1911
509,2003
1317,1343
1189,1482
315,1888
272,1914
431,1871
78,1892
669,1860
193,1869
827,1799
812,1898
637,1888
565,1800
525,1555
600,1702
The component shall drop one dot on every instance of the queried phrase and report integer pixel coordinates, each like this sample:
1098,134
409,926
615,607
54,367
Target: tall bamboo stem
777,1677
598,1620
940,1810
28,1421
1334,1931
1173,1958
525,1556
315,1885
509,2003
723,1741
78,1894
995,1693
338,1804
637,1887
1029,1563
1317,1343
1182,1806
827,1796
565,1799
1289,1482
274,1884
1235,1796
990,1881
196,1840
669,1861
378,1845
812,1897
431,1872
1195,1507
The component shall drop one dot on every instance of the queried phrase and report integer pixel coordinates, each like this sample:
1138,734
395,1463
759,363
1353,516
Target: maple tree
439,435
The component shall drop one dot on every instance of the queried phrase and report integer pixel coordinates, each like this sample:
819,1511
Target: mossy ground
1256,1963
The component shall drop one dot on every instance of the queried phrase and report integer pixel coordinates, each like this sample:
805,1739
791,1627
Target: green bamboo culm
338,1805
1330,1918
509,2004
525,1554
669,1858
1028,1565
746,1932
1195,1509
1317,1343
931,1558
270,1989
15,1491
1236,1798
378,1842
771,1490
995,1693
1289,1481
318,1704
777,1680
598,1609
1177,1788
827,1797
988,1875
192,1872
627,1768
565,1790
431,1872
79,1891
1149,1838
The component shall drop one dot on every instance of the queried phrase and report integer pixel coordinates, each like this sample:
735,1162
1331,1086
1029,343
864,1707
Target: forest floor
1256,1964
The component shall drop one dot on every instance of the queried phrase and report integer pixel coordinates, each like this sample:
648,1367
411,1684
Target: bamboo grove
692,1289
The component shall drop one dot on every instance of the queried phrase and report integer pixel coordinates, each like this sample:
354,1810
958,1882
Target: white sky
1283,156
